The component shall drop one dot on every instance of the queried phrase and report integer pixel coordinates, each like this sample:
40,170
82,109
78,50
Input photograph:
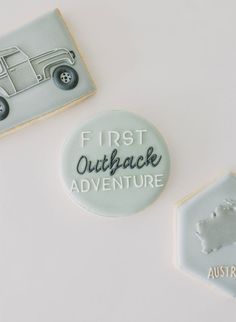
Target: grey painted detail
219,230
33,52
65,77
4,109
19,72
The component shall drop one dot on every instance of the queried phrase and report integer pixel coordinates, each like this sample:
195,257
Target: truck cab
19,72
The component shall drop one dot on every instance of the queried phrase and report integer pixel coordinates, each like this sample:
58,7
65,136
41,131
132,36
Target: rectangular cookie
41,72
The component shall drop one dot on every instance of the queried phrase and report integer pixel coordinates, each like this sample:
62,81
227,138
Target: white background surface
172,62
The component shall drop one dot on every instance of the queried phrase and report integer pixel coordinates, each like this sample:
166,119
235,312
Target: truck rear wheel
4,108
65,77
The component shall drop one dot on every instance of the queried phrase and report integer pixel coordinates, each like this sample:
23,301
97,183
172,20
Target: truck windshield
15,58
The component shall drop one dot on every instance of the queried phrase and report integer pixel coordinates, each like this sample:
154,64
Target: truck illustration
19,72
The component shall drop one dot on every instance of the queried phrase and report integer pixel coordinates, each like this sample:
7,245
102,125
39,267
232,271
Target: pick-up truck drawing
19,72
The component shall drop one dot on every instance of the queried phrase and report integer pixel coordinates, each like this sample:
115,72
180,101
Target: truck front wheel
65,77
4,108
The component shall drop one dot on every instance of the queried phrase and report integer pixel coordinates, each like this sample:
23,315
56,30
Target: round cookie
116,164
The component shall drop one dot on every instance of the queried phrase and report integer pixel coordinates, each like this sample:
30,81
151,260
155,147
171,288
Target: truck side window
15,58
1,68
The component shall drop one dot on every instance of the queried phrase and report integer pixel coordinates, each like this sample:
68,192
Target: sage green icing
44,34
143,186
206,234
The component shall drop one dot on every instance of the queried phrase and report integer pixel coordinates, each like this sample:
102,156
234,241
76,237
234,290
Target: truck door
20,71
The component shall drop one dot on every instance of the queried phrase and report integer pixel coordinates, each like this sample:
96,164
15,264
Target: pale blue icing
210,216
46,33
125,191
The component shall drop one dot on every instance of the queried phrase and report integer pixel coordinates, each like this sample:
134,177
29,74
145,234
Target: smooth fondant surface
215,267
33,100
116,164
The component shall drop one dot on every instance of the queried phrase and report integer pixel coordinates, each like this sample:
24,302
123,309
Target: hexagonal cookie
206,234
